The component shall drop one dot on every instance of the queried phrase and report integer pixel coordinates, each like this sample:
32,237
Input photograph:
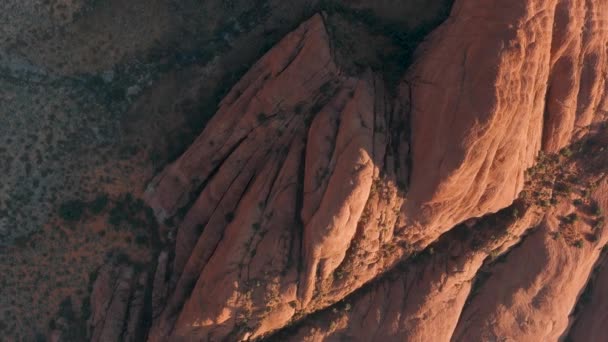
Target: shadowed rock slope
325,202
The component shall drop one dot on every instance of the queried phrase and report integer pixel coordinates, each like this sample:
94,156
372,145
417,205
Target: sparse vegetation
598,224
556,235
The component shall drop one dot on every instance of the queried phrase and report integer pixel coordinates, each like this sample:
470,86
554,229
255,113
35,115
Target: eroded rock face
117,304
533,303
421,300
577,85
590,325
478,284
291,171
302,188
481,102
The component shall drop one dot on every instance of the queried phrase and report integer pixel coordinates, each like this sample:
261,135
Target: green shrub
515,213
141,239
129,209
98,204
566,152
596,210
563,188
262,118
544,203
72,210
599,223
571,218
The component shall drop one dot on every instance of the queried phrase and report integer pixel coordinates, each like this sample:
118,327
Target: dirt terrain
303,170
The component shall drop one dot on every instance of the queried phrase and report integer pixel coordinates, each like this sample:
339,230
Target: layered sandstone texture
483,95
327,202
290,174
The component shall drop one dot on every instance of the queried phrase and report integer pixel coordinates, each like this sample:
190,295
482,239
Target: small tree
98,204
71,210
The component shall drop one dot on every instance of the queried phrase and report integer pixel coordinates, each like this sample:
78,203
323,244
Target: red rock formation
477,109
253,236
579,62
590,324
294,190
421,300
532,303
117,304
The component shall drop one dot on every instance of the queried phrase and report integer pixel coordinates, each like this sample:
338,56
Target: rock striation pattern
323,201
117,304
290,177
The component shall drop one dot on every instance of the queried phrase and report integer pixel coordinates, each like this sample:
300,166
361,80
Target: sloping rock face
512,275
591,314
481,102
577,87
302,188
290,174
533,304
117,304
591,324
421,300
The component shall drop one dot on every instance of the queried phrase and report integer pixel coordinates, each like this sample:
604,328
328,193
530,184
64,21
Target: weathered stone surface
530,295
577,83
117,304
422,300
110,302
294,119
590,323
299,190
303,187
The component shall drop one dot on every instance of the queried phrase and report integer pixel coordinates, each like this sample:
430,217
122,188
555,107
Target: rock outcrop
486,85
117,304
420,300
577,87
290,167
590,323
481,284
302,189
533,304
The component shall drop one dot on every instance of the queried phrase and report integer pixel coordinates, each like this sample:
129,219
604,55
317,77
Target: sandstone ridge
316,202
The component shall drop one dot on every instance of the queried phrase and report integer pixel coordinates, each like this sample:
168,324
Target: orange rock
422,300
477,111
579,62
296,189
110,302
238,249
530,295
590,324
